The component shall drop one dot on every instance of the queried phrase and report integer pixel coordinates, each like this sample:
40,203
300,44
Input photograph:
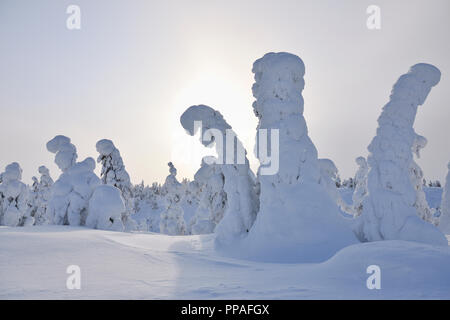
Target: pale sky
135,66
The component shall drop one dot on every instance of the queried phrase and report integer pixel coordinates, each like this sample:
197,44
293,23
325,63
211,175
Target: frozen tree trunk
113,173
444,221
239,184
388,209
297,220
361,186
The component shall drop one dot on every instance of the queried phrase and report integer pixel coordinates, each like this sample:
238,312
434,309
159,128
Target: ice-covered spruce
239,182
39,196
298,221
14,198
444,221
361,186
113,173
388,208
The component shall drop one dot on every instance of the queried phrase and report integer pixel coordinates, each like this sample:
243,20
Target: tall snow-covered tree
239,181
388,208
298,220
444,220
70,194
361,186
113,173
172,218
14,195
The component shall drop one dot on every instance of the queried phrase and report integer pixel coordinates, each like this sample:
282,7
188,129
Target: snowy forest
227,198
303,212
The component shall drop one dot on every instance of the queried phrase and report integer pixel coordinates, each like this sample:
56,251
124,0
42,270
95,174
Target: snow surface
118,265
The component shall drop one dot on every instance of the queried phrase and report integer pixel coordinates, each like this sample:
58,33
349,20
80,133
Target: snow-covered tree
239,181
361,186
444,220
388,208
113,173
40,195
172,218
297,220
328,177
213,199
423,209
70,194
14,198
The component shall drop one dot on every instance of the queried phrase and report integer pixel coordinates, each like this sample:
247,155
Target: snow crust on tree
239,181
298,220
106,207
113,173
14,198
70,194
423,209
361,186
172,218
40,195
388,208
328,176
444,221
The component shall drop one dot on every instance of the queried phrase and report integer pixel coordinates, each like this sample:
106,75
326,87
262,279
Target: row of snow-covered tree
296,213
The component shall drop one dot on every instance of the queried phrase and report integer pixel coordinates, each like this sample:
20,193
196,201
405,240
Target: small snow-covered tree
388,208
298,220
213,199
328,177
361,186
239,181
423,209
106,207
40,195
444,220
172,218
70,194
113,173
14,195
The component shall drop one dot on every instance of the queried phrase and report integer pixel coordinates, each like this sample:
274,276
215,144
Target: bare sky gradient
135,66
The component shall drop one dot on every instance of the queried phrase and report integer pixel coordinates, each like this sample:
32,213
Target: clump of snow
238,180
172,218
361,186
70,194
298,220
113,173
14,196
106,208
444,221
388,208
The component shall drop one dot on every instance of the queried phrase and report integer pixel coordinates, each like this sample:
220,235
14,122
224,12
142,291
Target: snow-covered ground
118,265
